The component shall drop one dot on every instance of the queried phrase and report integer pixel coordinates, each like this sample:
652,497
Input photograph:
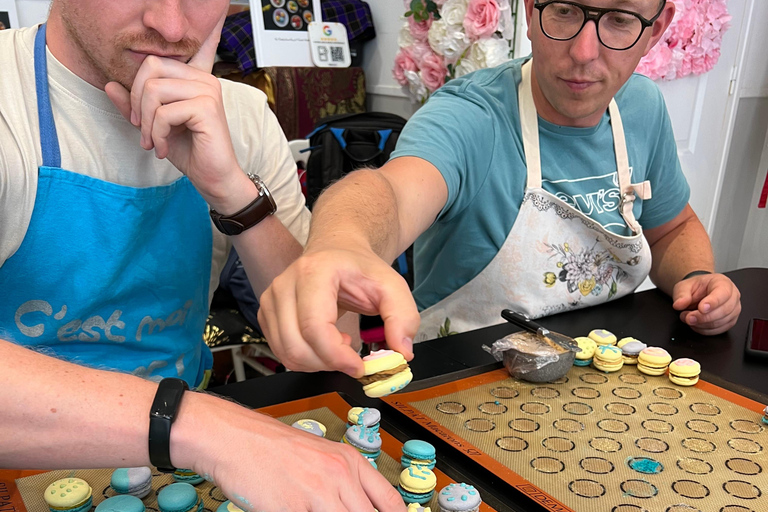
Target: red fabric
764,194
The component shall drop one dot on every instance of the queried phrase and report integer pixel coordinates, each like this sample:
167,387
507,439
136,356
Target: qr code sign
337,54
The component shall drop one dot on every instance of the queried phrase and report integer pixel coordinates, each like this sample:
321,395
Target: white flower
485,53
404,37
506,23
416,87
454,12
447,40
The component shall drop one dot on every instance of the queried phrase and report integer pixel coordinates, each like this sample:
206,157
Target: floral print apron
555,258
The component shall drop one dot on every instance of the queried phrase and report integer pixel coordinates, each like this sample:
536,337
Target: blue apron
109,276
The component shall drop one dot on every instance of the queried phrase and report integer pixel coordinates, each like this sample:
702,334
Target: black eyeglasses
617,29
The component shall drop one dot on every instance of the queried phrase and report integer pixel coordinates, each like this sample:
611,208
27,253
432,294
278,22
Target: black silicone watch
161,417
259,209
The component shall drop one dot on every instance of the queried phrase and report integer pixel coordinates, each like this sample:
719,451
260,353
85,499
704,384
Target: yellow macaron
386,371
588,347
624,341
608,359
684,372
653,361
603,337
70,495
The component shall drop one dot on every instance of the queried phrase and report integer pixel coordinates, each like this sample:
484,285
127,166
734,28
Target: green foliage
445,329
421,9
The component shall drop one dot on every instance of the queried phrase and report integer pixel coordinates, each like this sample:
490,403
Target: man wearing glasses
543,185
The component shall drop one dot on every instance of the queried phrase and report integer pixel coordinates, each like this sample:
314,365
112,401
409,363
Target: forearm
360,209
266,250
682,250
61,415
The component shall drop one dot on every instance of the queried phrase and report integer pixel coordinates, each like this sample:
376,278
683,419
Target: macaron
121,503
608,358
631,350
459,498
311,426
364,440
417,484
69,495
228,506
187,476
418,507
624,341
765,415
179,497
366,416
603,337
385,371
418,453
684,372
134,481
653,361
373,463
588,347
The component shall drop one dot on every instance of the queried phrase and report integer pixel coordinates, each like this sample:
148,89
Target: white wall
32,12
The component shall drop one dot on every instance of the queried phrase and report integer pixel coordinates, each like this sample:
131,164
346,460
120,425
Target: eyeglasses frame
594,14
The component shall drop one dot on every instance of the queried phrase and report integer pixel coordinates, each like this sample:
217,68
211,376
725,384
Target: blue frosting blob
645,465
178,497
122,503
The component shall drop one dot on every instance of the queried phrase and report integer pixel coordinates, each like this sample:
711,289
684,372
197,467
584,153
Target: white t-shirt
97,141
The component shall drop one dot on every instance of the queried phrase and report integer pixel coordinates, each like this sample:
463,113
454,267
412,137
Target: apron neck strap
49,141
529,123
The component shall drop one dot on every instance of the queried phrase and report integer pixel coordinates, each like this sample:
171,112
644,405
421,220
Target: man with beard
119,153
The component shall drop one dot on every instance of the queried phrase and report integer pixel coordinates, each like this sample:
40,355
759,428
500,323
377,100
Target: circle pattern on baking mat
690,489
549,465
545,392
668,393
593,378
743,445
626,393
698,445
558,444
639,489
451,407
694,466
577,408
512,443
632,378
605,444
744,466
479,425
568,425
535,408
505,392
612,426
620,409
705,409
651,445
585,393
492,408
586,488
746,426
702,426
657,426
524,425
742,489
596,465
662,409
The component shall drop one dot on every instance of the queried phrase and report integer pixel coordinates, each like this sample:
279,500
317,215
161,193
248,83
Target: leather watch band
696,273
161,416
259,209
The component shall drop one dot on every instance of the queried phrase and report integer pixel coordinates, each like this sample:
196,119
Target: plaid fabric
237,37
354,14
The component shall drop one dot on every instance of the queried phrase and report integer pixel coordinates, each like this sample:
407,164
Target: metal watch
259,209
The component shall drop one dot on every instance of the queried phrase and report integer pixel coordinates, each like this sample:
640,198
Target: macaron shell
417,479
655,356
459,498
684,368
363,439
680,381
587,346
628,339
178,497
388,386
417,449
67,493
366,416
134,481
311,426
381,360
228,506
121,503
602,337
608,354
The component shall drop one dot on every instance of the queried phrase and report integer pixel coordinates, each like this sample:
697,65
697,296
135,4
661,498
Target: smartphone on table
757,338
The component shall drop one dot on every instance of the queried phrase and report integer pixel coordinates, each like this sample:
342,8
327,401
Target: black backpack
340,144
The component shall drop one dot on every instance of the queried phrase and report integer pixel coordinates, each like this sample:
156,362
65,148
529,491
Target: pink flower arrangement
691,44
445,39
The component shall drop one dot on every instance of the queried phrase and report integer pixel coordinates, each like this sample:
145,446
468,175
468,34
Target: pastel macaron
121,503
588,347
608,358
133,481
684,372
69,495
603,337
418,453
624,341
385,371
228,506
765,415
187,476
364,440
653,361
417,484
459,498
630,350
418,507
366,416
179,497
311,426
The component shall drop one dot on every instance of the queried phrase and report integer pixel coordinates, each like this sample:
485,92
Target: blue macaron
134,481
179,497
418,453
121,503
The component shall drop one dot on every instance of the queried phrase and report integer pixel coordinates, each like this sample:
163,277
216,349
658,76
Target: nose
585,47
168,18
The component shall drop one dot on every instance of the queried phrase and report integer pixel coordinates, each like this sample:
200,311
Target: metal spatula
553,338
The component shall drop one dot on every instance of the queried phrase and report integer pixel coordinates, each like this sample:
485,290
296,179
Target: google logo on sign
327,30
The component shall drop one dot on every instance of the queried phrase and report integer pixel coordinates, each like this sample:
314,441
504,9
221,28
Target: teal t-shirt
470,130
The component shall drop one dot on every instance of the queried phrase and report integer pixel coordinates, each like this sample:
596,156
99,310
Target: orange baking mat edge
340,408
10,498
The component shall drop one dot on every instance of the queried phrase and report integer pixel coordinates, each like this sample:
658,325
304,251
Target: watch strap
163,413
695,273
260,208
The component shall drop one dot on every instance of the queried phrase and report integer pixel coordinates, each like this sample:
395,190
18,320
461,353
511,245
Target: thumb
205,56
120,96
682,296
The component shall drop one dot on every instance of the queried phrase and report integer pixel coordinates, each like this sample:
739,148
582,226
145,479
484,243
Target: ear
529,15
660,26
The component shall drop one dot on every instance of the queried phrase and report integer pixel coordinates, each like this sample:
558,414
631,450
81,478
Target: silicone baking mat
22,491
596,442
